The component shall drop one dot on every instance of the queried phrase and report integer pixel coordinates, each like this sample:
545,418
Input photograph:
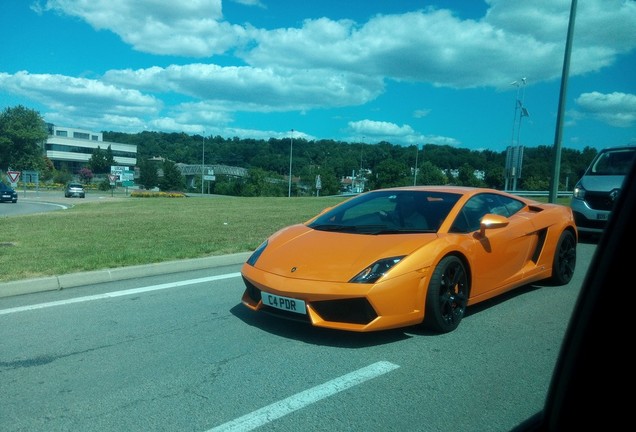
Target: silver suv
595,193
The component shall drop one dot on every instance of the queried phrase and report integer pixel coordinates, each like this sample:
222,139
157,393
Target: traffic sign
14,176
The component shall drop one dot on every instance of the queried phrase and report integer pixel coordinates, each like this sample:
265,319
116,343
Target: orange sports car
398,257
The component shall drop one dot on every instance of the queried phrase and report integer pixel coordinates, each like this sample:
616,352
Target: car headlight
256,254
376,270
579,192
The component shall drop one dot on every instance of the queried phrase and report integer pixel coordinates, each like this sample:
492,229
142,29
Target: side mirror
490,221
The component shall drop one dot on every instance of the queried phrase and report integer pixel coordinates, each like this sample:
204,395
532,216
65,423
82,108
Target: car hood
603,183
332,256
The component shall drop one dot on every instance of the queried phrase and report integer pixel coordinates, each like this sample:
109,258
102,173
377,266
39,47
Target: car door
500,255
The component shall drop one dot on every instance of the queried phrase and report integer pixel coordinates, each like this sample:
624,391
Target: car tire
564,259
447,295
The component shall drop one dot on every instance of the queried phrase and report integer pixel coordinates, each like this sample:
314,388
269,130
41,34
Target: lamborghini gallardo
406,256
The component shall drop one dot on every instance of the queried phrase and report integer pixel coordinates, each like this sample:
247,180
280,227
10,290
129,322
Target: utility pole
203,162
291,149
556,154
417,150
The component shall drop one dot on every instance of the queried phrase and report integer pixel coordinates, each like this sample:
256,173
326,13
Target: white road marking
300,400
118,293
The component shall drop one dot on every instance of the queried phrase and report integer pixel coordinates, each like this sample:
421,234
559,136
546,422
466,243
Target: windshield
613,162
388,212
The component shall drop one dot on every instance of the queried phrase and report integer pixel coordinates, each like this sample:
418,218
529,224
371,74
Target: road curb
53,283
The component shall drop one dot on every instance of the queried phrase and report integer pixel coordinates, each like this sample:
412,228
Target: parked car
368,264
7,193
74,190
597,191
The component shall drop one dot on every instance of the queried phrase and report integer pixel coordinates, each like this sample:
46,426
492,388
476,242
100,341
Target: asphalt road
30,202
178,352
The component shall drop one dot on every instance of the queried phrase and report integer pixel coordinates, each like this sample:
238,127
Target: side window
470,216
504,206
512,205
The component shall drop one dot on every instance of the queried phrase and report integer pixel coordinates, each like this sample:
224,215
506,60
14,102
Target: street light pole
417,150
291,147
202,162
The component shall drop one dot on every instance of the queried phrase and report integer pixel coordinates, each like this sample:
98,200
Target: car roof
465,191
621,147
443,188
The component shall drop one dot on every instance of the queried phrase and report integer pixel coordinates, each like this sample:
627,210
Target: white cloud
79,94
185,28
616,109
257,3
420,113
373,130
253,89
325,63
379,128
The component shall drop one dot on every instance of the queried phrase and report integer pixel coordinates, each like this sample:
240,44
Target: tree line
23,133
376,165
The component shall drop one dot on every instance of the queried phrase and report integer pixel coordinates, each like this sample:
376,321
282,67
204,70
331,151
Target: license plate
284,303
601,216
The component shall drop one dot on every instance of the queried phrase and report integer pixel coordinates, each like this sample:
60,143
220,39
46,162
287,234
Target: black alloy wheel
447,295
564,259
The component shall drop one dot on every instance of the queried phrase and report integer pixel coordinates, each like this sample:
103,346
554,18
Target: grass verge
134,231
99,235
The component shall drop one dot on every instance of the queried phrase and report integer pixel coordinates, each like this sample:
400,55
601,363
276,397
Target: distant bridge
194,170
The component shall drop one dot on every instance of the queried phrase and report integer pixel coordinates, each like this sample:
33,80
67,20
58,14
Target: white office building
72,148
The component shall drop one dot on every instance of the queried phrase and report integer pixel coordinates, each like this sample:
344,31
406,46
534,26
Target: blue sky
407,72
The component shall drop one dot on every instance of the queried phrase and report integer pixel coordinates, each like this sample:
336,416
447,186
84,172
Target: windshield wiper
333,227
402,231
369,229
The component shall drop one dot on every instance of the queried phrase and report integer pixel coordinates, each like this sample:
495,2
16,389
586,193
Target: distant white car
74,190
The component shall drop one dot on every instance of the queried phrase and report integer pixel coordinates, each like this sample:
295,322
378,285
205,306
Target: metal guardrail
561,194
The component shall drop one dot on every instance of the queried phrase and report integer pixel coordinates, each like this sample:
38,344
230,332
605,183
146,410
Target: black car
7,193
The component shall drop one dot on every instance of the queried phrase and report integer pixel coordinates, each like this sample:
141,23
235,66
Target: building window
81,135
61,133
94,137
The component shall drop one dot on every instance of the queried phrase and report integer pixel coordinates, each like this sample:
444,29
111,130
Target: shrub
151,194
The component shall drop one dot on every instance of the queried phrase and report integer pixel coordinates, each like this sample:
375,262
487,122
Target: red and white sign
14,176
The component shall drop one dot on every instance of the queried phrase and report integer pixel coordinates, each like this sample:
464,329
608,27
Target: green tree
62,176
98,163
23,132
429,174
48,170
101,160
256,183
148,176
466,176
390,173
110,159
172,179
329,183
